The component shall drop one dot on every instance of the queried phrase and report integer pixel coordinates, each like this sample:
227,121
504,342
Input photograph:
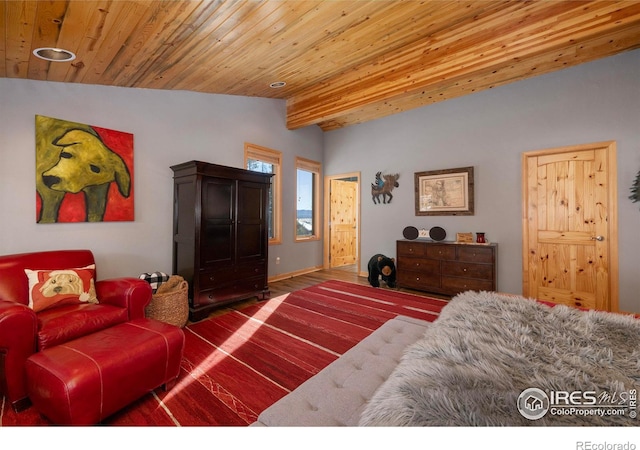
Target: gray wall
490,130
168,128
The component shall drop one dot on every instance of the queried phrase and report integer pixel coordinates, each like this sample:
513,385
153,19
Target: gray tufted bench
337,395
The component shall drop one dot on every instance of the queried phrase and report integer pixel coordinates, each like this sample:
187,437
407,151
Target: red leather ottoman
86,380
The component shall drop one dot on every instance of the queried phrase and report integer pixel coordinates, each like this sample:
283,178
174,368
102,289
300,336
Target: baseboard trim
285,276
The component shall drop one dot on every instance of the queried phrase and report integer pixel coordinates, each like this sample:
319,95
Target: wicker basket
170,307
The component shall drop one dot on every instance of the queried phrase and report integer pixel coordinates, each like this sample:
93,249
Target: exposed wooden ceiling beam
466,59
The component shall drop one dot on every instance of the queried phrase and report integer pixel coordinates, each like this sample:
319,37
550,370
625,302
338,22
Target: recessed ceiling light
54,54
277,84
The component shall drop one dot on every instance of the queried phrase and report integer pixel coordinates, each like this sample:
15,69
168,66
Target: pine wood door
570,226
342,209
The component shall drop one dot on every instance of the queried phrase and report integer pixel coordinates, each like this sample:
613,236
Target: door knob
597,238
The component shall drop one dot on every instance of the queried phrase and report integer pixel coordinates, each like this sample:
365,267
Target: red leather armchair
24,332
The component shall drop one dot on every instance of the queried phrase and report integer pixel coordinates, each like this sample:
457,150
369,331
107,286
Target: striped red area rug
238,364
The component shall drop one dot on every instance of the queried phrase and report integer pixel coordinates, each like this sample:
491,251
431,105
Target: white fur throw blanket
476,359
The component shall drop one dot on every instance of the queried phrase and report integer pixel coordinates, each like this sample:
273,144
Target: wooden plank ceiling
344,62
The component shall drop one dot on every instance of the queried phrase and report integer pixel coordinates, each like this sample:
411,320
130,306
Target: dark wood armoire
220,236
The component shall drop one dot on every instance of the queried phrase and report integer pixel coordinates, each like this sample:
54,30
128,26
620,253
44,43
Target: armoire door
217,222
250,221
570,252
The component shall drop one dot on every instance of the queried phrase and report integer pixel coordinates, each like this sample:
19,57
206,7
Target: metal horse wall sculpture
383,186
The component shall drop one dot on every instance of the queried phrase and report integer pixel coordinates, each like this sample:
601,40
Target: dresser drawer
418,280
441,252
447,267
457,285
467,270
411,249
476,254
418,265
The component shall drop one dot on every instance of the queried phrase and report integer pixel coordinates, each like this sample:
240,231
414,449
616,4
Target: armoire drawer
215,277
251,269
234,289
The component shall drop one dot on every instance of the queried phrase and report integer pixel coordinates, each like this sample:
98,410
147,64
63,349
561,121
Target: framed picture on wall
84,173
446,192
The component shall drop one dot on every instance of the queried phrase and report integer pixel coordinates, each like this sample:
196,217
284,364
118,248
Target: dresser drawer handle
211,296
417,278
464,270
211,278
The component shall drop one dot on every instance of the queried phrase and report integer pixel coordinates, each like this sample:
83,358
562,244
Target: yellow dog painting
73,158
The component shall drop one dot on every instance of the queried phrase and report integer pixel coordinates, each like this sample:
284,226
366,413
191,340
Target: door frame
327,217
612,219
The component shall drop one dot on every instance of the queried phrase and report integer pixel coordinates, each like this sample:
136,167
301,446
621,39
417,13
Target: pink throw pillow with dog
48,288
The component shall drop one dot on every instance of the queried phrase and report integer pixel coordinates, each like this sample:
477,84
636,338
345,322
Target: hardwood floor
346,273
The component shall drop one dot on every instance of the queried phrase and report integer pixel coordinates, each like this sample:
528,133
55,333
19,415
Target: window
307,198
265,160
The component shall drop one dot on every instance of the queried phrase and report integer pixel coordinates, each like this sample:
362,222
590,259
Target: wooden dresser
220,239
446,268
